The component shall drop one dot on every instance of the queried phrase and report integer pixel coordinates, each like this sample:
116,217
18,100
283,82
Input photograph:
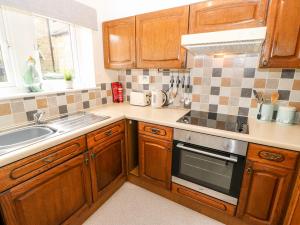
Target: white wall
113,9
102,75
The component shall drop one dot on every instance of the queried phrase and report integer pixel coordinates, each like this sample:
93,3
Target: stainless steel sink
20,137
24,136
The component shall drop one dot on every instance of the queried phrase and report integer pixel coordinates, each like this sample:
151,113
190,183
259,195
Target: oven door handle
180,145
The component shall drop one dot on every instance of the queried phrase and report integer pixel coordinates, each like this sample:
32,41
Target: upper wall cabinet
282,46
158,38
218,15
119,43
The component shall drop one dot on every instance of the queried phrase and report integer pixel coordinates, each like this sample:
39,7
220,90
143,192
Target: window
54,44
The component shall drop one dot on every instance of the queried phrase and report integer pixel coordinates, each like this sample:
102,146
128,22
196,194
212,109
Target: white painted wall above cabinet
135,7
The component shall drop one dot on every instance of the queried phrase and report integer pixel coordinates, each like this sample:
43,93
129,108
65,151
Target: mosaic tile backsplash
21,110
223,84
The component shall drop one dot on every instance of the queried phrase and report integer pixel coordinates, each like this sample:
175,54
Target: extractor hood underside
225,48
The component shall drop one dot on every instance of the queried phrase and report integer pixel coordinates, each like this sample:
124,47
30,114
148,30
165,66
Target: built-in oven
209,164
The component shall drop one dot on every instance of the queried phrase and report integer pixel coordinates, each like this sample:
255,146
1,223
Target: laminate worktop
265,133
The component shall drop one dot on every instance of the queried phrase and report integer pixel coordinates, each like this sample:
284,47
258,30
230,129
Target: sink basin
20,137
23,136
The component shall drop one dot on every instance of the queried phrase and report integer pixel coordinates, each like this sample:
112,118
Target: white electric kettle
158,98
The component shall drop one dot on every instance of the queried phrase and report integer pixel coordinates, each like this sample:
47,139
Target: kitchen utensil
175,90
259,112
187,100
158,98
182,90
170,91
256,95
274,97
286,114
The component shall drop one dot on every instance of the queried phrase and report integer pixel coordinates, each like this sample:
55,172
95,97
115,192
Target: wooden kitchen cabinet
293,214
158,38
215,15
57,196
119,43
282,44
155,156
266,184
24,169
107,161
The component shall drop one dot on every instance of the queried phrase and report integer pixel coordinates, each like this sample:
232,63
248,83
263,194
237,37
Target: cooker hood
238,41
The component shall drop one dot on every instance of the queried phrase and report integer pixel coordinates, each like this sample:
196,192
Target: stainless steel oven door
211,172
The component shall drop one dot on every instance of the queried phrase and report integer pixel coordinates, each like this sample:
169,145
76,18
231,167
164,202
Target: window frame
74,51
7,52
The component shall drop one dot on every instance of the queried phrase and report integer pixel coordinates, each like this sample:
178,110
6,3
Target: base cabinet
266,185
293,213
155,161
107,164
57,196
264,194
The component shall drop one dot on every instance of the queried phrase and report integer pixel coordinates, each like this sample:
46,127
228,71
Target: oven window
206,170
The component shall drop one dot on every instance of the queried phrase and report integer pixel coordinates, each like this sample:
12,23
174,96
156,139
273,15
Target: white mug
158,98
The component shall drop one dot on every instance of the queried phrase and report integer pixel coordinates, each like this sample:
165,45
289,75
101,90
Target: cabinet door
263,194
158,38
282,45
107,164
57,196
155,160
119,43
293,213
217,15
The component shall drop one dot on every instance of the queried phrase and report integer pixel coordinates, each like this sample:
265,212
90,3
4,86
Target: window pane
55,48
3,77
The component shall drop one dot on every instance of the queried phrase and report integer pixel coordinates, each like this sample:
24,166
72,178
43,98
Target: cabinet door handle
93,155
249,170
86,160
265,62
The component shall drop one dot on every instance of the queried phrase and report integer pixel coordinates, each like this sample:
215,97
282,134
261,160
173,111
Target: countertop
265,133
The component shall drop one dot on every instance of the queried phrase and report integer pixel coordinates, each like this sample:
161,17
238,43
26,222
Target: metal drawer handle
108,133
48,159
231,159
155,131
271,156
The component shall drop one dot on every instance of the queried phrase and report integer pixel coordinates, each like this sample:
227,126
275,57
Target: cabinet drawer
272,156
31,166
203,199
105,133
157,131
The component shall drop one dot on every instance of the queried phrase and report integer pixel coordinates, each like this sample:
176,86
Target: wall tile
225,81
5,109
288,73
20,111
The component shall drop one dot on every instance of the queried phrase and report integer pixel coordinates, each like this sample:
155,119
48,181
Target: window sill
19,94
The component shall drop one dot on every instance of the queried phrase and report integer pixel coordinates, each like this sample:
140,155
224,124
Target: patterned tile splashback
21,110
223,84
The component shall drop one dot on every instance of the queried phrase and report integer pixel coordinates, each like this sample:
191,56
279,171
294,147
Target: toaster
139,98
